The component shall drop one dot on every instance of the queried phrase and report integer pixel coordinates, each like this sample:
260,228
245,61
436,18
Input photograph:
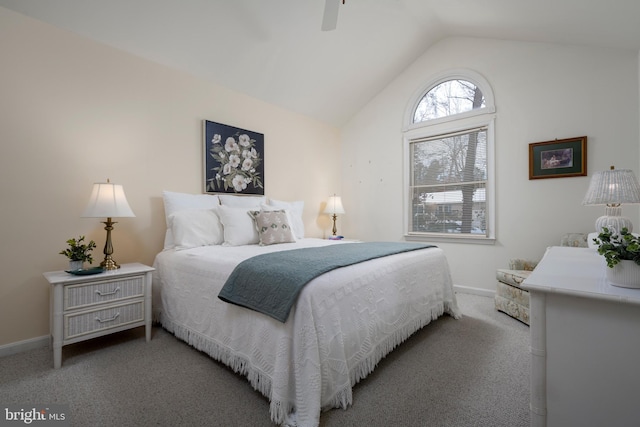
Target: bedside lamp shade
613,188
108,201
334,208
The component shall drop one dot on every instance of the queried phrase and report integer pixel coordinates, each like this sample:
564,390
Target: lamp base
335,229
109,264
613,220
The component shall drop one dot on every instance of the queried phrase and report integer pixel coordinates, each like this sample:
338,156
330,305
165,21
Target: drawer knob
102,294
108,320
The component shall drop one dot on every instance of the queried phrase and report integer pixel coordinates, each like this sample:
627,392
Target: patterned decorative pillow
295,214
273,227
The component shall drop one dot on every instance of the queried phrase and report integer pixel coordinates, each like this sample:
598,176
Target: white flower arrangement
237,160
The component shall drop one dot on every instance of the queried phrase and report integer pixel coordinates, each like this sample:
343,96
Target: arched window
449,160
448,98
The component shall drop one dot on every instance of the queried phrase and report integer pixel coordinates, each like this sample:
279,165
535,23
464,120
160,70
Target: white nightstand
85,307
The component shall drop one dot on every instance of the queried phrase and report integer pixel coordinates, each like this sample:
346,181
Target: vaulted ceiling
274,50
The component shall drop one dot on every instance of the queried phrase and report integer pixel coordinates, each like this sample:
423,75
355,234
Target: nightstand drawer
114,316
76,296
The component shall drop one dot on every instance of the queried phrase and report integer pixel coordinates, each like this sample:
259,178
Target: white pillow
239,227
273,226
175,202
196,227
249,202
295,211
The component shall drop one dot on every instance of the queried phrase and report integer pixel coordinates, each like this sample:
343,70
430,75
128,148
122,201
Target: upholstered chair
510,298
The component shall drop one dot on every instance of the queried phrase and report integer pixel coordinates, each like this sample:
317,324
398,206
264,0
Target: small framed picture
558,159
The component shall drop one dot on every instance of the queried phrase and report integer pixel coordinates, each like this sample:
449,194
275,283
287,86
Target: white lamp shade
334,206
613,187
107,201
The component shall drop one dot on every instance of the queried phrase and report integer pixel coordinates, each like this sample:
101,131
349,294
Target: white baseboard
474,291
20,346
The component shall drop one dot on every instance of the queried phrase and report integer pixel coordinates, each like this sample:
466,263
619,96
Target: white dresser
585,343
84,307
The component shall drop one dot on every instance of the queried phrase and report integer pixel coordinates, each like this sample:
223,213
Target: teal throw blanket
270,283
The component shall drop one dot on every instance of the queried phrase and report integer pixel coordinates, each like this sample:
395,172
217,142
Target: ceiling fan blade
330,18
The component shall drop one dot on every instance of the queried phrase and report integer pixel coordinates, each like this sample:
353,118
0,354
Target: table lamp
108,200
334,208
613,188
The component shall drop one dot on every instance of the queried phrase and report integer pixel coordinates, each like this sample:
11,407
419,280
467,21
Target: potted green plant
622,254
78,252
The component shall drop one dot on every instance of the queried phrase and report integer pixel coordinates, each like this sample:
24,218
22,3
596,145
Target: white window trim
459,122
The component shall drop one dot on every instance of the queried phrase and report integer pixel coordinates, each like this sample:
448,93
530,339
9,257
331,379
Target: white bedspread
343,323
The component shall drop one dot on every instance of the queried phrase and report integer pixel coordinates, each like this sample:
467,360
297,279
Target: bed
342,323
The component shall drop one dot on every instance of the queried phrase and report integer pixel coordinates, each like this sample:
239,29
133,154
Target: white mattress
343,323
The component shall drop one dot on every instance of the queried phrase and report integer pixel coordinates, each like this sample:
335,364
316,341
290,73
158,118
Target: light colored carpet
468,372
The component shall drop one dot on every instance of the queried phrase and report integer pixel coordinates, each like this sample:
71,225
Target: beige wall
73,112
542,92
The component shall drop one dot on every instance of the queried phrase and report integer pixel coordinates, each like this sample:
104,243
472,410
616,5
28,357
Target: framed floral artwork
558,159
233,160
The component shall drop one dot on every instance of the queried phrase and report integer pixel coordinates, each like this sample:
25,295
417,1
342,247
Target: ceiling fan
330,18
